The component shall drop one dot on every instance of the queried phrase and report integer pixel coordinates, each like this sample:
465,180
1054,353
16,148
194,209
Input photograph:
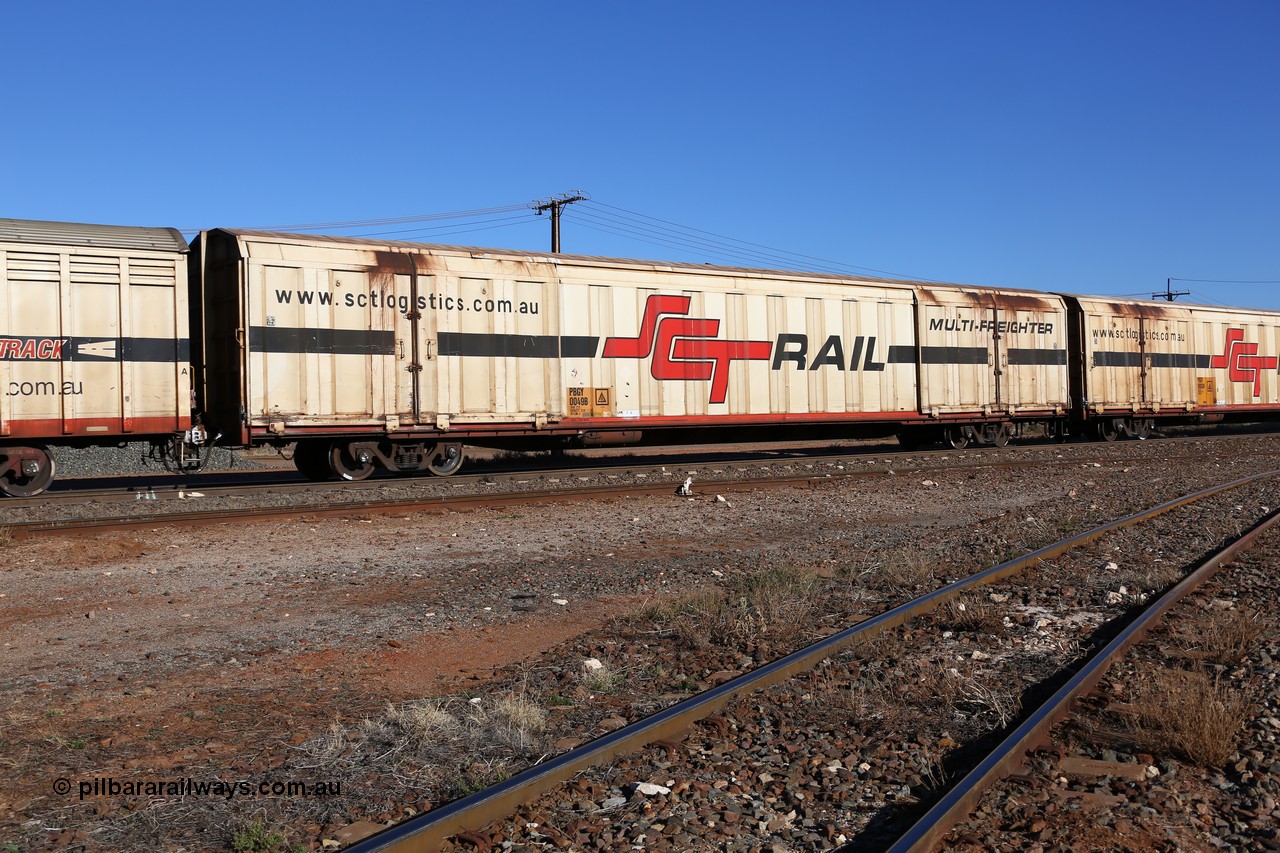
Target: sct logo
1243,362
683,347
31,349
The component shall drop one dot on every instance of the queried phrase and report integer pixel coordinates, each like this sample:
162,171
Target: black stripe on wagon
327,341
901,355
95,349
1158,359
1180,359
518,346
155,349
1117,359
1037,356
953,355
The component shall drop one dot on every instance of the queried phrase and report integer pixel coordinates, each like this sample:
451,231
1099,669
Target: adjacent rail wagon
1137,362
355,355
93,342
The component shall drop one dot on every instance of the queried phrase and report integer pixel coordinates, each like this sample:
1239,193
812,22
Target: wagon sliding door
314,359
1031,342
957,353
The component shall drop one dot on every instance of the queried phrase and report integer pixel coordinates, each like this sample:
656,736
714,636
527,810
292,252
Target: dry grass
515,721
972,614
599,678
422,723
437,747
1151,576
894,699
1191,714
1226,636
768,602
982,700
906,568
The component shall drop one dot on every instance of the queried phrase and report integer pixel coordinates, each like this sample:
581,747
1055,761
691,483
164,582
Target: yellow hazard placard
579,402
1206,390
600,402
589,402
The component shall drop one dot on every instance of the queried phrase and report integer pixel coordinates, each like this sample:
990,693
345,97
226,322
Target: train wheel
1141,429
1001,435
446,459
26,471
311,458
957,437
350,464
1108,430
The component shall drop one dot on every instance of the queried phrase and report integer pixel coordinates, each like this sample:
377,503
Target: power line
729,260
739,248
597,216
1203,298
451,228
665,237
369,223
1226,281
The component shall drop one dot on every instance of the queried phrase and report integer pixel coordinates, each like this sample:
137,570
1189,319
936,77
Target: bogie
351,461
26,471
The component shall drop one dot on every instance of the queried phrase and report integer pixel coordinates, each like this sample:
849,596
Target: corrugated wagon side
1139,362
364,353
93,342
991,359
370,354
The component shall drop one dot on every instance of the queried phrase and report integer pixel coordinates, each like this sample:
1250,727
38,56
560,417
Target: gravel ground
254,652
494,475
847,754
74,463
1183,796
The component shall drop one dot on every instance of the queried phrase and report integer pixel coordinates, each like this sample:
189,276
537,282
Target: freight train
357,354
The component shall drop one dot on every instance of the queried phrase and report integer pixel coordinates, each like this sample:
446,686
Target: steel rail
287,480
78,527
429,831
438,503
1036,729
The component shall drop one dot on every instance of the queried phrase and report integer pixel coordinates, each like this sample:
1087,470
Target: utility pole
555,204
1169,293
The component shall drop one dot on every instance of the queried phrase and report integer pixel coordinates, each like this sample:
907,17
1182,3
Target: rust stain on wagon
1145,310
392,262
1008,300
1025,302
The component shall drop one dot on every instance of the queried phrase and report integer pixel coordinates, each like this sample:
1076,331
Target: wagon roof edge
1162,304
534,256
36,231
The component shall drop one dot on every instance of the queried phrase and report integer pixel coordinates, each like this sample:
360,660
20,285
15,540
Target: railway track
467,818
285,481
1035,731
524,486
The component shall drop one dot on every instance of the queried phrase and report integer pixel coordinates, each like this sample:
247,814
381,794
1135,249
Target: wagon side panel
319,342
957,353
94,343
1031,340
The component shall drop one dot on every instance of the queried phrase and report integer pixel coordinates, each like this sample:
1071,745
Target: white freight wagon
1146,360
93,342
372,353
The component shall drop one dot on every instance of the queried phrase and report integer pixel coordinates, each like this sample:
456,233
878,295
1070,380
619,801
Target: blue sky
1085,147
